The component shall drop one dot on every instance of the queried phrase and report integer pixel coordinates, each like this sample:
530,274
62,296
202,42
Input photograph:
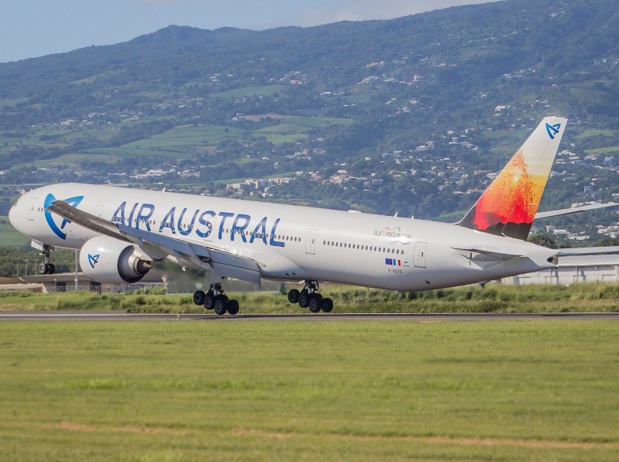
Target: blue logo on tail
552,130
72,201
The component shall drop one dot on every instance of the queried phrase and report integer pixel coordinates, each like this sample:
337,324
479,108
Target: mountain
383,115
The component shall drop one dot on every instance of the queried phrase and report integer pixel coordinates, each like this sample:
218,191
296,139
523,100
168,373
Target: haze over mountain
398,101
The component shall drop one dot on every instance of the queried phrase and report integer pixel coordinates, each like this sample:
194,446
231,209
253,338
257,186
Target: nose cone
17,215
13,215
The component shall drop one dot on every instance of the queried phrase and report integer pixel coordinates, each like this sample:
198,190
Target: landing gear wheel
47,268
293,296
209,302
315,303
327,305
198,297
220,306
304,299
232,307
311,298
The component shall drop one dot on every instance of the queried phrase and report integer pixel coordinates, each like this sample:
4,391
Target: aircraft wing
224,263
583,208
88,221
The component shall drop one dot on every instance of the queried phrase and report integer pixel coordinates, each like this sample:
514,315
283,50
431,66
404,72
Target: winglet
510,203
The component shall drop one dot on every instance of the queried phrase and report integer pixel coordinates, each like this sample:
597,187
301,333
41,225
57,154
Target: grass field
9,236
176,391
471,299
603,151
595,133
267,90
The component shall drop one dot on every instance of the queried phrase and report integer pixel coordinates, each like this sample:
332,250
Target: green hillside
418,110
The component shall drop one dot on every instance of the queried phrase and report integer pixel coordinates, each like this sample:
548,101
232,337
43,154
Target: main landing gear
46,267
215,299
311,298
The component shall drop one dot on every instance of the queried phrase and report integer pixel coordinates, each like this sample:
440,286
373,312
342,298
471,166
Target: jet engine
110,261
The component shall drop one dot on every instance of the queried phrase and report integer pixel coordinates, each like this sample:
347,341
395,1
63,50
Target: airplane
121,231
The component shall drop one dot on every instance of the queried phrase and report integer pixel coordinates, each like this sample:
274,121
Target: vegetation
494,299
495,391
18,261
383,100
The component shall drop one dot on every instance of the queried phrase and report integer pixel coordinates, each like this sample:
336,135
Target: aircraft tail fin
508,206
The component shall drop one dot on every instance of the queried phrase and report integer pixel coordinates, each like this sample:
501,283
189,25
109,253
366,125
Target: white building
573,270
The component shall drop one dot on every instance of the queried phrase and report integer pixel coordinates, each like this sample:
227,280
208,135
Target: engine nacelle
110,261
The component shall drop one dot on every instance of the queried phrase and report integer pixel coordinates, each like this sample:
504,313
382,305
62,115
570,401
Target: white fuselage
290,242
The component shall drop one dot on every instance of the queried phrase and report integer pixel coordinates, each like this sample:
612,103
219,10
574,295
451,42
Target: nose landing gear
311,298
46,267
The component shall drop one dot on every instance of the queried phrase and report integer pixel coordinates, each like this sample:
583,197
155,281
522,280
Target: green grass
9,236
12,102
76,159
493,391
179,143
358,97
292,129
494,299
183,136
267,90
602,151
594,132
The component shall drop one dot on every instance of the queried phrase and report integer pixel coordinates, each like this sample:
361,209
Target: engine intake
110,261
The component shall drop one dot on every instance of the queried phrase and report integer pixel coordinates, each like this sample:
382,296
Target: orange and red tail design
510,203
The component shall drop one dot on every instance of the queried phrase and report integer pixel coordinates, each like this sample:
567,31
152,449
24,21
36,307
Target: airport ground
368,387
383,390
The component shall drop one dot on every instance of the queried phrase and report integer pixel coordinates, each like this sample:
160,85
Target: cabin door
310,243
421,250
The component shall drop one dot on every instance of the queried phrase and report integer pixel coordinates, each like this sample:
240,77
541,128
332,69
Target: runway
96,316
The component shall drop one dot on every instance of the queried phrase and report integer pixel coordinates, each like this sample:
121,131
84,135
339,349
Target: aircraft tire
198,297
303,299
209,302
232,307
51,268
293,296
220,306
315,303
327,305
43,268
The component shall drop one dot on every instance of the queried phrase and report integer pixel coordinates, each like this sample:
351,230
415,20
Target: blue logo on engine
93,260
72,201
552,130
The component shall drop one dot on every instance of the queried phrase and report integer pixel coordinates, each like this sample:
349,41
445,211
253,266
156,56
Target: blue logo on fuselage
72,201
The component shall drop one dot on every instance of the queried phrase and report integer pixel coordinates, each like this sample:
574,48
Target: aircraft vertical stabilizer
508,206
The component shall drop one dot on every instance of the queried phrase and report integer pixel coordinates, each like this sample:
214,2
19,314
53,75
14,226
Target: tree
543,239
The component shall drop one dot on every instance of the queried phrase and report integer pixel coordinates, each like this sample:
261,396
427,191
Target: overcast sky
31,28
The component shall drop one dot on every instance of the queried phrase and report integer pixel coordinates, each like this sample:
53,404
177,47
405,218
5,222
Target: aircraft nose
13,215
16,214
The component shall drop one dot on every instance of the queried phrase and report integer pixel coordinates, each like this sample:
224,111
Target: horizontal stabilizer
583,208
485,255
587,251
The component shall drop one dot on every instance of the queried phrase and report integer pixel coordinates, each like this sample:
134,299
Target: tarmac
95,316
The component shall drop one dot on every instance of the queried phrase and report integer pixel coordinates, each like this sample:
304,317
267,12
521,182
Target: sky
32,28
